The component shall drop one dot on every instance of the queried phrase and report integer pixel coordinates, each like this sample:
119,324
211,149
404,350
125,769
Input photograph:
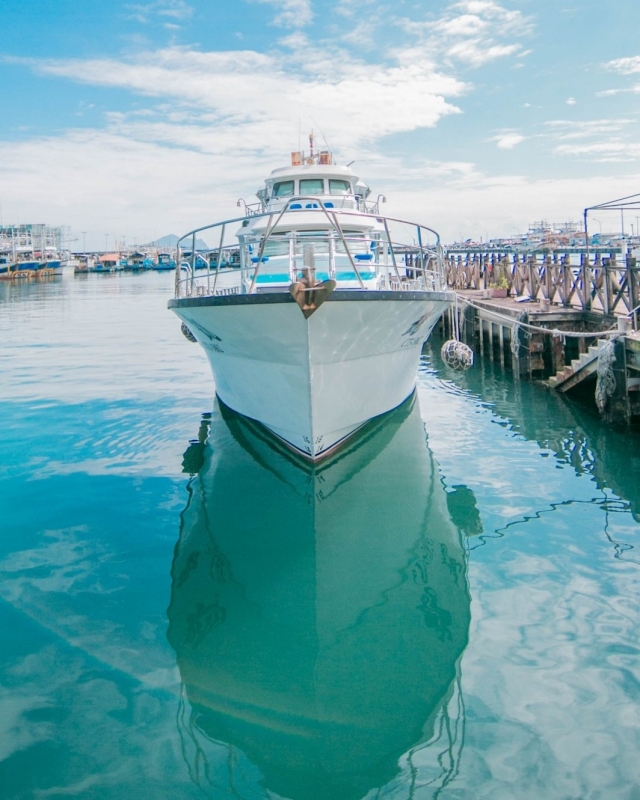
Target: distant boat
26,265
164,263
109,262
50,258
84,262
135,261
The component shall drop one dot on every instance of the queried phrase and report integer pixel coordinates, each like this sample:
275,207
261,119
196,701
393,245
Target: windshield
312,186
339,187
283,189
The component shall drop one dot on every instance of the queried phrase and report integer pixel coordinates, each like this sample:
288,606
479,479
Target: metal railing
374,255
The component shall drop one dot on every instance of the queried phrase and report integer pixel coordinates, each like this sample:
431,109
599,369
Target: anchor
308,293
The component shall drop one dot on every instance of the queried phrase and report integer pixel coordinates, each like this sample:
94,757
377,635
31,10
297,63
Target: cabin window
339,187
283,189
312,186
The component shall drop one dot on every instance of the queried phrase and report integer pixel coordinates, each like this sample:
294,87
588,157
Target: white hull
314,381
66,269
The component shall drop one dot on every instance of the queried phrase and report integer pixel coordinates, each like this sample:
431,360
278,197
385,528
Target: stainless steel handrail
416,273
435,251
431,278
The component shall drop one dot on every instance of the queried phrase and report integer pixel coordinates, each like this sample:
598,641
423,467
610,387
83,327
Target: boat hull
313,381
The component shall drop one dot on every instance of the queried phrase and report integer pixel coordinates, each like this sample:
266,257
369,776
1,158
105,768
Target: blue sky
476,117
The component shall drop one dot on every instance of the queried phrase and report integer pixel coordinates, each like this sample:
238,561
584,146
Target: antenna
299,134
323,136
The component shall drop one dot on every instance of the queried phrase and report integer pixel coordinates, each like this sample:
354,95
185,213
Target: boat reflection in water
318,615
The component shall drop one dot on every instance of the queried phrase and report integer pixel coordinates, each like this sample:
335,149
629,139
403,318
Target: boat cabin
333,186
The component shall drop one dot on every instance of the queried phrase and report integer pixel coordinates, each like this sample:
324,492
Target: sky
127,121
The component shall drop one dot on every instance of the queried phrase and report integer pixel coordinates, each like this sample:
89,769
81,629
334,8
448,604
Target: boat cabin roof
312,171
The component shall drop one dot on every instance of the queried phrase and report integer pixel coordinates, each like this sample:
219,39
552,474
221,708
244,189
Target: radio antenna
323,137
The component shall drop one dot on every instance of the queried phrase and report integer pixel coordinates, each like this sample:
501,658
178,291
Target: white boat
314,319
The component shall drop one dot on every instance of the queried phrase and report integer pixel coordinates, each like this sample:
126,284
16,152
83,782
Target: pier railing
399,255
605,283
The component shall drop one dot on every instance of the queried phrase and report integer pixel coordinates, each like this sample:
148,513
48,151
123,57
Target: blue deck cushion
364,256
255,259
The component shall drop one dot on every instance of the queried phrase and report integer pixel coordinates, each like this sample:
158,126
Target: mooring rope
518,323
606,383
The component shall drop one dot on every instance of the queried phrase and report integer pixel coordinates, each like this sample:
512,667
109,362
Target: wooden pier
605,281
542,317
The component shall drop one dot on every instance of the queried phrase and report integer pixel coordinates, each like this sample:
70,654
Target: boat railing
376,259
250,209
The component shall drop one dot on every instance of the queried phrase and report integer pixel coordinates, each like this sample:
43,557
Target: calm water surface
447,608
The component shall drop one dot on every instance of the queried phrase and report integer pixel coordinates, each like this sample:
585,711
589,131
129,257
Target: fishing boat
164,263
135,261
320,326
109,262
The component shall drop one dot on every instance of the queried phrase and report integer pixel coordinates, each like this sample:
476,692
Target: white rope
456,328
454,353
515,335
606,383
554,331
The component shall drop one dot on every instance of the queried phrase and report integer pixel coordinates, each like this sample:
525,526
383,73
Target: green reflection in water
319,614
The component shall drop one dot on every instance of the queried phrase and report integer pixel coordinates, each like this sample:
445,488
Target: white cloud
609,142
252,100
175,9
626,66
508,140
610,92
578,129
609,151
360,8
473,32
623,66
291,13
571,101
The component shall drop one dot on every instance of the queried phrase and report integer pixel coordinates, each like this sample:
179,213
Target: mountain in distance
171,240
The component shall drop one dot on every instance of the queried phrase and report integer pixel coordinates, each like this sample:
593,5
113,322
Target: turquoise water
447,608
